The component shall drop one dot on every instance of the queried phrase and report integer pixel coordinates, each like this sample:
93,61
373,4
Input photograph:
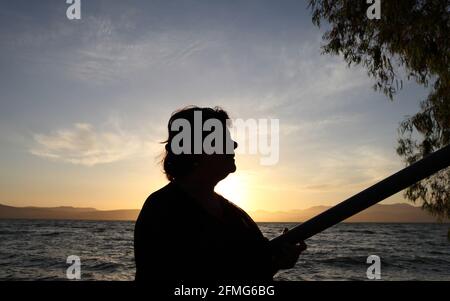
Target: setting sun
234,189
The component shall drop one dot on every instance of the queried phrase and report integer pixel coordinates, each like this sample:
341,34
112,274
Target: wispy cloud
347,167
289,80
305,129
107,55
83,144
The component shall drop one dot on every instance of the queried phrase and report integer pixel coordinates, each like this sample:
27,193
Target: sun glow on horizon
234,189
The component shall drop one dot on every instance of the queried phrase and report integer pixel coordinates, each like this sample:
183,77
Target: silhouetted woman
185,230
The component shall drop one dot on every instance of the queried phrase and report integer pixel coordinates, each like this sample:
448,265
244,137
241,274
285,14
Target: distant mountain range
72,213
395,213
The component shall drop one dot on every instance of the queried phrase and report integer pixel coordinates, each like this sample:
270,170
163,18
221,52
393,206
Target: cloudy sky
84,103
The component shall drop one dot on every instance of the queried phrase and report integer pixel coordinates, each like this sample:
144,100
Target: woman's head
199,141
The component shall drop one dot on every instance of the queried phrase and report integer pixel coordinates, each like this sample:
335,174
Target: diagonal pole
368,197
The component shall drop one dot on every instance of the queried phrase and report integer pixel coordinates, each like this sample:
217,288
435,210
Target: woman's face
219,166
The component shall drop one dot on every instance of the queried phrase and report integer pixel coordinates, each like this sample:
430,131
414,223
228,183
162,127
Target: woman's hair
177,165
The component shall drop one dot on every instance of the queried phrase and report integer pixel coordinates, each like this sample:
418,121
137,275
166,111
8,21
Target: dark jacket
176,239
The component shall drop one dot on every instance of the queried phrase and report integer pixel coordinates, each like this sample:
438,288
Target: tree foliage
411,38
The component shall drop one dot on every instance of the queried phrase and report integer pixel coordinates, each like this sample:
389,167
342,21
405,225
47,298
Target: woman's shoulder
159,208
163,199
162,193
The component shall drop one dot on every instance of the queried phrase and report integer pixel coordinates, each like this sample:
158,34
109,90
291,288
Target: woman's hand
287,255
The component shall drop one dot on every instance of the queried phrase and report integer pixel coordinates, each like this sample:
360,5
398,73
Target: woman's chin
232,167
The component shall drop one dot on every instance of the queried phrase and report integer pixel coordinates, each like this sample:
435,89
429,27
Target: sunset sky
85,103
